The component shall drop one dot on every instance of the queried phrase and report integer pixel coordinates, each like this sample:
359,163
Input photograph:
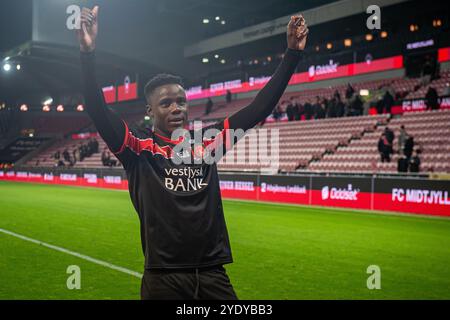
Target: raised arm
110,127
266,100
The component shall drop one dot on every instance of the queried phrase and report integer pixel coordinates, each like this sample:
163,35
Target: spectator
332,108
383,148
290,110
209,106
57,155
93,146
82,149
388,101
431,99
340,109
315,108
379,105
66,155
321,112
276,113
401,139
356,106
402,164
308,109
349,92
228,96
325,102
414,163
74,155
389,135
409,147
300,111
337,95
106,157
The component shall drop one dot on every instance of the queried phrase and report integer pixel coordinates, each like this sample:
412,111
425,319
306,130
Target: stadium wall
399,194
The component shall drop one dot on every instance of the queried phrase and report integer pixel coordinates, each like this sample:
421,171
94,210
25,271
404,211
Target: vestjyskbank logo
348,194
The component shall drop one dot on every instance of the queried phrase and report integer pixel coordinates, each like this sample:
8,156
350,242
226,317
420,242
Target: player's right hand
87,34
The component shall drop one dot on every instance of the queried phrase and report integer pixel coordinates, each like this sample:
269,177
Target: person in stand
340,108
409,147
290,110
228,97
301,110
349,92
66,155
389,134
308,109
276,113
332,107
414,163
388,102
337,95
432,99
296,110
401,139
383,148
357,106
402,164
321,112
315,108
57,155
209,106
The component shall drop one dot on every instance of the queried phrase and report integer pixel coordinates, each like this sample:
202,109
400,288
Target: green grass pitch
280,251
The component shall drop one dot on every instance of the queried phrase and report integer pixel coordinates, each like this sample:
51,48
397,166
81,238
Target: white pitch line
73,253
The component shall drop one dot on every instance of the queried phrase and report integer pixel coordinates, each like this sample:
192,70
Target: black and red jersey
179,204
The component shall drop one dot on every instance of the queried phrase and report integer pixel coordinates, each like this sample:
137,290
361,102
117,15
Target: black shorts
187,284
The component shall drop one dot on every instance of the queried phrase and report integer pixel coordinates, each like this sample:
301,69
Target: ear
149,110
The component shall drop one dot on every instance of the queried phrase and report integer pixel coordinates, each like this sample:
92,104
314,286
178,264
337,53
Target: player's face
168,106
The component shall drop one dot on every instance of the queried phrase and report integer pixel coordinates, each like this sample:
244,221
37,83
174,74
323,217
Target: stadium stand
347,144
439,84
58,125
400,87
431,132
304,141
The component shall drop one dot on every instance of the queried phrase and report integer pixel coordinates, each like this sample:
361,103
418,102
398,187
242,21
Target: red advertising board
444,54
127,92
239,186
284,189
109,93
341,192
330,70
410,195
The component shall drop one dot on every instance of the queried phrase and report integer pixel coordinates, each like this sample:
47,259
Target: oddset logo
348,194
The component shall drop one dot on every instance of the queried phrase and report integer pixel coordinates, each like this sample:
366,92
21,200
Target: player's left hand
297,32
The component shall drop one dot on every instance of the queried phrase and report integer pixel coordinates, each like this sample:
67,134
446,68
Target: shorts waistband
185,270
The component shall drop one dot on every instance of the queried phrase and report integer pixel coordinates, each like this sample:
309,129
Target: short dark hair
160,80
